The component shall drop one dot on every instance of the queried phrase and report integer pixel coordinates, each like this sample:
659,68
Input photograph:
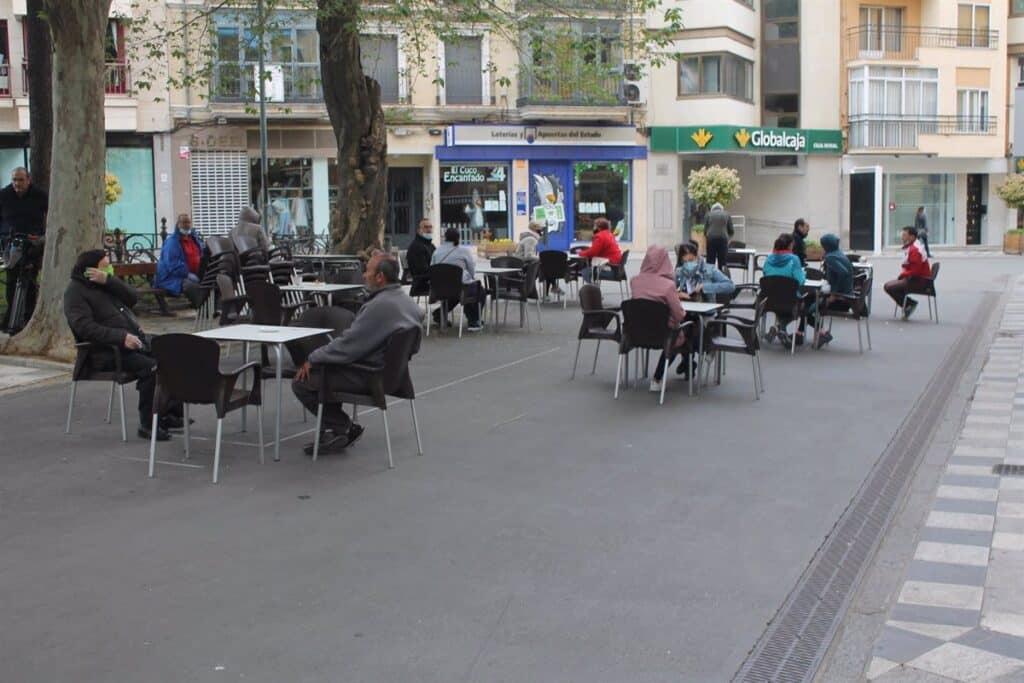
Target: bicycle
23,259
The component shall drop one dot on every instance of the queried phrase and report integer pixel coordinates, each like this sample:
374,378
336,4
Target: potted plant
712,185
1012,192
814,250
697,235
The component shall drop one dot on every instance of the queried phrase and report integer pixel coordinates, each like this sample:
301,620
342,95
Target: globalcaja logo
702,138
794,141
742,137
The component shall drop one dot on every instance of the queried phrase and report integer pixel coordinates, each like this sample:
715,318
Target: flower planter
815,253
702,243
1013,243
490,251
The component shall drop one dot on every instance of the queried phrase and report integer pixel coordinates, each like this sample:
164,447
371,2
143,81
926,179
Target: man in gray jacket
387,310
717,232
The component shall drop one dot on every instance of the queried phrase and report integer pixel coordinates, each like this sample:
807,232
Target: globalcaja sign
694,139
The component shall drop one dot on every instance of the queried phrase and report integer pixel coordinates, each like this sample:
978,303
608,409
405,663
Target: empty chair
554,266
522,289
781,297
250,251
188,370
84,372
391,378
595,324
645,327
267,305
734,260
232,305
717,343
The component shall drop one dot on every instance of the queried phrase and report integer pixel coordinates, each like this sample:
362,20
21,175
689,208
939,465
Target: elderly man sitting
387,310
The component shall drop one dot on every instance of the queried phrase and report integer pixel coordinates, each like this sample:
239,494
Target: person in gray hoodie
718,231
387,310
249,225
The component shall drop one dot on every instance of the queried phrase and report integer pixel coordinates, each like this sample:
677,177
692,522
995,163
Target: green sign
695,139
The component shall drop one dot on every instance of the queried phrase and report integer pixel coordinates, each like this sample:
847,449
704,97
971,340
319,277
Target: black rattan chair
717,343
781,297
188,370
83,371
925,286
595,325
554,266
445,281
856,307
521,289
645,327
391,378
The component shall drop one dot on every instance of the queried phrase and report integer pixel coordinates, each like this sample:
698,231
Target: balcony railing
572,89
237,82
903,43
617,6
5,80
871,131
117,81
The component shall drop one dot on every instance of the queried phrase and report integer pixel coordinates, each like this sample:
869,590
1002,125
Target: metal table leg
277,425
245,377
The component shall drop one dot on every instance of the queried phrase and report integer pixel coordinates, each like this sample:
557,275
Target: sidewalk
959,615
18,373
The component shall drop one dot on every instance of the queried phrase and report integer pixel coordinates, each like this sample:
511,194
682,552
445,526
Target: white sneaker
474,328
655,385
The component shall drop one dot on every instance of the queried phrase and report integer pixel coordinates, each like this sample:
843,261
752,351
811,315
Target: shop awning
745,140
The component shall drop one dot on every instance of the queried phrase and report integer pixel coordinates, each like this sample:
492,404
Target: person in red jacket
602,246
915,267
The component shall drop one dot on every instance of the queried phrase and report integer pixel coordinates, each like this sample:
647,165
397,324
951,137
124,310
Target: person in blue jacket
839,275
178,270
696,277
783,262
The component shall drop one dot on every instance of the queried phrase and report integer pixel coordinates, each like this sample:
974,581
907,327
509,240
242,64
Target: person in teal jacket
783,262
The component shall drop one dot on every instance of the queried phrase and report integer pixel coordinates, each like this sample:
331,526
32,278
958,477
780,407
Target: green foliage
712,185
1012,191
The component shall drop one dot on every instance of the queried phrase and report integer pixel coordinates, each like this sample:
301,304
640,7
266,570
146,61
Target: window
881,30
972,111
601,189
475,199
724,74
379,55
290,190
973,25
890,106
463,70
116,59
1016,8
291,61
573,62
780,72
905,192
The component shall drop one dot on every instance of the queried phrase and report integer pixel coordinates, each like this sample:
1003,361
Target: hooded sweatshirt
656,282
249,224
786,264
526,248
838,269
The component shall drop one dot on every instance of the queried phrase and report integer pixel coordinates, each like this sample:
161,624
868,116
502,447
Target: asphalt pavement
549,533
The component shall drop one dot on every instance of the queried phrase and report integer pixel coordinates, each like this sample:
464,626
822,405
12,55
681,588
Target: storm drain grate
1008,470
793,645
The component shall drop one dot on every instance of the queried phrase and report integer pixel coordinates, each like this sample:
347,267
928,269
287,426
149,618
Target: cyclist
23,209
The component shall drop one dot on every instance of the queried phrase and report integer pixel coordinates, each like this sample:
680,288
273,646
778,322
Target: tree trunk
40,93
353,104
75,221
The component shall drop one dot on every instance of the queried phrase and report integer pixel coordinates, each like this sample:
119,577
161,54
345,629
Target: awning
745,140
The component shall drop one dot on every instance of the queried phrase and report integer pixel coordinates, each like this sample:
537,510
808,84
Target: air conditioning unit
273,85
634,89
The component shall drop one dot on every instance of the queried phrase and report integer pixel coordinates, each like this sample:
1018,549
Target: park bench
148,272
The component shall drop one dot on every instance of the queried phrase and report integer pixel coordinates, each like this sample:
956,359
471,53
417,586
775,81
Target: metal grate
792,647
1008,470
220,187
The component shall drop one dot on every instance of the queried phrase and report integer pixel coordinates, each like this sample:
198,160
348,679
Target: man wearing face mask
177,271
97,306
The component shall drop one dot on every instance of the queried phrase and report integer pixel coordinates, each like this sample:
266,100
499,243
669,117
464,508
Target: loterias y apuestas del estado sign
746,139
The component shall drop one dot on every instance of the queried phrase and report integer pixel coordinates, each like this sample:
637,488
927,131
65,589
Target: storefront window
291,195
602,190
905,192
475,199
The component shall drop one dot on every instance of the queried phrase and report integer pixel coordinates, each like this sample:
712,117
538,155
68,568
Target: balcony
904,43
5,80
555,88
572,6
116,82
870,131
295,83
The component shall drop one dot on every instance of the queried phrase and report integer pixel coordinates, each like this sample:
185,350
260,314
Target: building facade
137,119
478,142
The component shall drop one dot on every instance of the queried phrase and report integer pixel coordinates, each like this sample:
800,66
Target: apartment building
137,120
484,141
753,90
925,115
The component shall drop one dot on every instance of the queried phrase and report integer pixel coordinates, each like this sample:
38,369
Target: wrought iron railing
872,131
117,80
569,87
5,80
237,82
903,42
552,6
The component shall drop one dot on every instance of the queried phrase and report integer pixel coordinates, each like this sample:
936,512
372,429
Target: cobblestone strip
960,613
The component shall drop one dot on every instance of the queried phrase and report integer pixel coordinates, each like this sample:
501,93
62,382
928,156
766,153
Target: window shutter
220,187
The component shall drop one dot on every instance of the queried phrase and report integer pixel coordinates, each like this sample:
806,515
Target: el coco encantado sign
745,139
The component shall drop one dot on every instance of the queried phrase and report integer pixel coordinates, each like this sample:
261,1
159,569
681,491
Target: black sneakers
908,308
147,434
332,442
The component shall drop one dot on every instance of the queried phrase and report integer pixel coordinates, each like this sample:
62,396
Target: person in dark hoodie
801,229
839,275
97,306
387,310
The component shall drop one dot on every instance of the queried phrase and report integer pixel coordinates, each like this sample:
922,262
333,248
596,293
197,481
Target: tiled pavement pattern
960,613
12,376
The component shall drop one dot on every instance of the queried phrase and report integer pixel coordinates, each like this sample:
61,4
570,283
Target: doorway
551,199
975,208
405,205
862,211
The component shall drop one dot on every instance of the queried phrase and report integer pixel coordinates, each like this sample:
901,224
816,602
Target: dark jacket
385,312
25,214
799,248
418,255
718,224
101,313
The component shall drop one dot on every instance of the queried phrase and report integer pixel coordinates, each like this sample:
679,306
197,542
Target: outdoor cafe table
703,311
751,257
323,289
272,335
495,273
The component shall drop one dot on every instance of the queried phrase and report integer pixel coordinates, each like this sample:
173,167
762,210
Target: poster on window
549,201
474,199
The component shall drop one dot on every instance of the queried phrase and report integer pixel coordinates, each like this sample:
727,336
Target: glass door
551,196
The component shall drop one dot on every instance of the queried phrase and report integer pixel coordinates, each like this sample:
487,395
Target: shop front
495,179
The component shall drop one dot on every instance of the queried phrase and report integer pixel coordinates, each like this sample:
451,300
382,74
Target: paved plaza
549,533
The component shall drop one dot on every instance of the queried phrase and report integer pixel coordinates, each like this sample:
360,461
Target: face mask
689,267
185,231
109,270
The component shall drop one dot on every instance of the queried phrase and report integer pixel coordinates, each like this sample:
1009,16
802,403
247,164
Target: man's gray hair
23,170
389,268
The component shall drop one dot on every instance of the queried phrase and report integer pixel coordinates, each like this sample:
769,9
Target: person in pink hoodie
657,282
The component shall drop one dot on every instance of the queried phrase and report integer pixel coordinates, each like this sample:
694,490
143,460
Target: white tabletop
743,251
813,284
266,334
325,287
325,257
494,270
862,264
701,308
